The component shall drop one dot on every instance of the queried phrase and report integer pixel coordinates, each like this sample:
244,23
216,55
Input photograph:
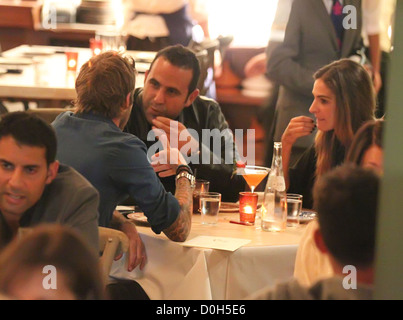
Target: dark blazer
309,43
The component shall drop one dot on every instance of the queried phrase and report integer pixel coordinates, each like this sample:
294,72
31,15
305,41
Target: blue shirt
116,164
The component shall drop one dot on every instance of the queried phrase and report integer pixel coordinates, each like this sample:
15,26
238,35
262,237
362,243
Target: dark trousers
126,290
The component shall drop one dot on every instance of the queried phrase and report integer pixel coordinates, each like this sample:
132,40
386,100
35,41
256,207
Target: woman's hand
297,127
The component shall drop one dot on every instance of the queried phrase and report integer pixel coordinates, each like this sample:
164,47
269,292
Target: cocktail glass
254,175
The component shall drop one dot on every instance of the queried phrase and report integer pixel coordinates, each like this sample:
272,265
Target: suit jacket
309,43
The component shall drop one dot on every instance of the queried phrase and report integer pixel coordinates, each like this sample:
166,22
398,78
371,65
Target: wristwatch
188,176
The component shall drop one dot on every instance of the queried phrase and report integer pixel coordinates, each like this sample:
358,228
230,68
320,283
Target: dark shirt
204,113
303,174
116,164
6,234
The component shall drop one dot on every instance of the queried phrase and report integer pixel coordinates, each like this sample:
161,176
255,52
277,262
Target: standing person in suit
310,42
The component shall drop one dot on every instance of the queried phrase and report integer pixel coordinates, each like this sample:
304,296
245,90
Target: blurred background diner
257,64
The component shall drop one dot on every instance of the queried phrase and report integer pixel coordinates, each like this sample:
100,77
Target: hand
297,127
377,80
137,253
375,76
166,161
178,135
256,66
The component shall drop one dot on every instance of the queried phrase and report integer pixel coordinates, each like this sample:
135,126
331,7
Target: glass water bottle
274,206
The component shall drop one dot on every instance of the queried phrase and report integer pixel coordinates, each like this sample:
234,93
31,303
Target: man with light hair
91,141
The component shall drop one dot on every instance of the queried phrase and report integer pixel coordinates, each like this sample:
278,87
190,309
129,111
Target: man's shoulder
61,117
204,113
206,102
337,288
69,180
288,290
326,289
129,142
137,97
204,107
65,196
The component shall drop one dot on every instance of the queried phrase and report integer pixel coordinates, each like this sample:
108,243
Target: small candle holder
247,206
201,186
72,60
95,46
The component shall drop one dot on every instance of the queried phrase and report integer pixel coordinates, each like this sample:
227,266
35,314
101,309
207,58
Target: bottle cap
240,164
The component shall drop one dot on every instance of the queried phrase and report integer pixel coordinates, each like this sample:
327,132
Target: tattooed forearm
180,229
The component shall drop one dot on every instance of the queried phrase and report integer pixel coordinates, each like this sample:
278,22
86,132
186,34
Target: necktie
337,19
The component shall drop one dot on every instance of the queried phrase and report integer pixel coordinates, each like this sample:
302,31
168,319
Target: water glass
294,208
274,212
209,206
112,41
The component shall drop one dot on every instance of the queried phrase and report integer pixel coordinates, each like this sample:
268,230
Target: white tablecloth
175,272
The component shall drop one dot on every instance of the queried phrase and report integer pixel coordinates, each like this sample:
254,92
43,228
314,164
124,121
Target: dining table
37,72
225,261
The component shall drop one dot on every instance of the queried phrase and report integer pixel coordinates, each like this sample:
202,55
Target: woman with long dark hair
366,150
344,99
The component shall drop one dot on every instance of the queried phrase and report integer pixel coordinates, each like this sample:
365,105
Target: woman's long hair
368,135
355,104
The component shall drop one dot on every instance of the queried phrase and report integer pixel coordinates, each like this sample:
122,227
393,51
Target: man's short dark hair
184,58
346,199
28,129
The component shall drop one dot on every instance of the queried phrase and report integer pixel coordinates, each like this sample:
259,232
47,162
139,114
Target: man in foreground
346,200
35,188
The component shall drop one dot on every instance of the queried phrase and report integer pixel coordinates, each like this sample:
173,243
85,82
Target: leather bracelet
183,167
